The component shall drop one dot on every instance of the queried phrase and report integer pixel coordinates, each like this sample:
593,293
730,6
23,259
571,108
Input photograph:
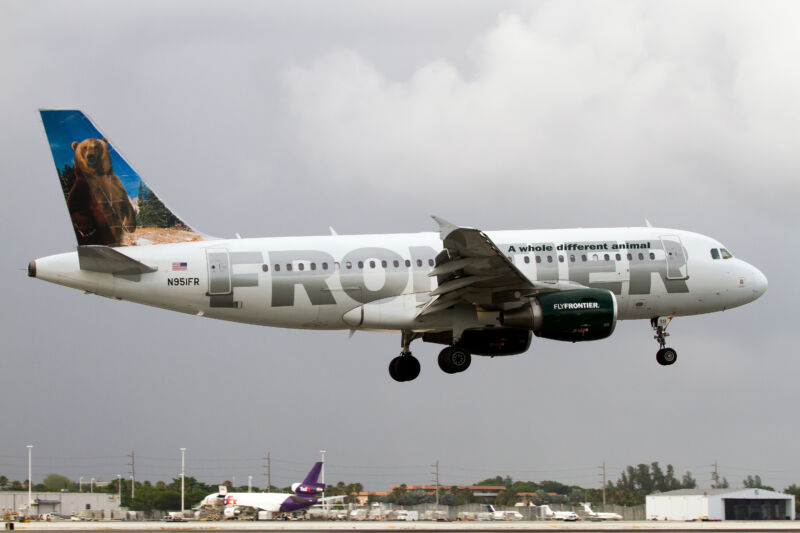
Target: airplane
594,515
476,292
503,515
238,503
548,514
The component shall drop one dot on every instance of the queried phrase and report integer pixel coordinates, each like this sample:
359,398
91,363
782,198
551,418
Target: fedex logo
230,500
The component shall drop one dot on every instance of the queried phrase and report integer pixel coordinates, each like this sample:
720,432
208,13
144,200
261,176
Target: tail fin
109,204
310,484
491,507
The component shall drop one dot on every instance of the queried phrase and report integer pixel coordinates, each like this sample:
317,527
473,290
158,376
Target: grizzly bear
98,203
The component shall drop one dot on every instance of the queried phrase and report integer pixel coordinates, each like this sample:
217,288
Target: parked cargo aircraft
477,293
235,503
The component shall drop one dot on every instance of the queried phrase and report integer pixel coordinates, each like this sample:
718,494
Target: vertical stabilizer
311,483
108,203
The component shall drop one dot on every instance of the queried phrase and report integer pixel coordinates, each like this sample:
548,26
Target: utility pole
30,495
324,503
133,474
715,475
269,474
119,490
604,482
436,482
249,483
183,475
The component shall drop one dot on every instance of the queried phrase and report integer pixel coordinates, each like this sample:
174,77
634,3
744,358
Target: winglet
445,227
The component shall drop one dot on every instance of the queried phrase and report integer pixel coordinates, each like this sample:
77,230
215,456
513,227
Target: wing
472,269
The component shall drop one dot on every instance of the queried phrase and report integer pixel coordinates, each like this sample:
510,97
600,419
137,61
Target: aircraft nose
759,283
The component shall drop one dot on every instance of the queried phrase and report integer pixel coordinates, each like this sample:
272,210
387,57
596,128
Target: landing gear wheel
454,359
404,368
666,356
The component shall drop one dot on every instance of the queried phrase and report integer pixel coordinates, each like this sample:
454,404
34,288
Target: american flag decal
176,265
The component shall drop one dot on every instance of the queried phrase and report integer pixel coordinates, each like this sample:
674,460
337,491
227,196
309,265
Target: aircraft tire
404,368
669,356
393,370
454,359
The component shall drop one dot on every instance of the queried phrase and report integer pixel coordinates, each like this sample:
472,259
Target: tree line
634,483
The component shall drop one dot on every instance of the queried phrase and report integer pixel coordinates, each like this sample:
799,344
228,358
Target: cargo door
677,264
219,271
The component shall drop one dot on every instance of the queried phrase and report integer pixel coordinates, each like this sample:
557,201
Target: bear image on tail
98,204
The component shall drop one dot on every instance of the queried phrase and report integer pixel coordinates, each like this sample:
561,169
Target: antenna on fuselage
647,223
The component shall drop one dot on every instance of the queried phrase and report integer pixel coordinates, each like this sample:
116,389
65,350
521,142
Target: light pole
183,464
30,496
249,483
91,486
119,490
80,485
324,506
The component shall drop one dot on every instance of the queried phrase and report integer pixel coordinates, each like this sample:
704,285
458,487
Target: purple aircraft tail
310,486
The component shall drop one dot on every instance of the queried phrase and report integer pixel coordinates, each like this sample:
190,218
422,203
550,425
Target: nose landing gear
665,356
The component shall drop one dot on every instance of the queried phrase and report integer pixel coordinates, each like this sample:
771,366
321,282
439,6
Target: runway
421,526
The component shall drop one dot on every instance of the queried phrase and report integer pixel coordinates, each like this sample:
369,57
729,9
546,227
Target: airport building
94,504
720,504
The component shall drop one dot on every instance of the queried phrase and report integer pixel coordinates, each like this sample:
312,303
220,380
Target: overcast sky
278,118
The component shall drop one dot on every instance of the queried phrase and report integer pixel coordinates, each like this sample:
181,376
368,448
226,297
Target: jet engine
572,315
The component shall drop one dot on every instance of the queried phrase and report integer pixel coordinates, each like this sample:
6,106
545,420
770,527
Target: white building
80,503
720,504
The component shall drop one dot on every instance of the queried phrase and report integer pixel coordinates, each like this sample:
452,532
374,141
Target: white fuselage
379,282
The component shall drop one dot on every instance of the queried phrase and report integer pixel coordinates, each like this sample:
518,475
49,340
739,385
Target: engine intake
573,315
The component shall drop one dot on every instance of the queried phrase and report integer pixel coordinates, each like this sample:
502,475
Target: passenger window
725,253
277,267
583,257
396,263
714,253
641,256
538,258
572,259
606,257
527,260
301,266
361,264
383,264
372,264
348,265
652,256
324,266
408,263
313,266
430,262
265,268
289,267
549,258
630,256
619,257
419,262
560,258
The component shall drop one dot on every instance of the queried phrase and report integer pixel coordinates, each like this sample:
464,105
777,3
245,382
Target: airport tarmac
366,527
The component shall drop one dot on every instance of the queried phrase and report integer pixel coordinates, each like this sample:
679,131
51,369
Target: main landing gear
405,367
665,356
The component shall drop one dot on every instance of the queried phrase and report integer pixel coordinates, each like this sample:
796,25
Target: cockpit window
725,253
714,253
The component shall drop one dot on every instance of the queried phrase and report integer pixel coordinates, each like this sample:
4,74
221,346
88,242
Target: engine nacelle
573,315
492,341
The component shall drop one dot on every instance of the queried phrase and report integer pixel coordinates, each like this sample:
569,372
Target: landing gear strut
405,367
665,356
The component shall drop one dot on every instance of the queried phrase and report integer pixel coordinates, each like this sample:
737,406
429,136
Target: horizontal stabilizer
98,258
